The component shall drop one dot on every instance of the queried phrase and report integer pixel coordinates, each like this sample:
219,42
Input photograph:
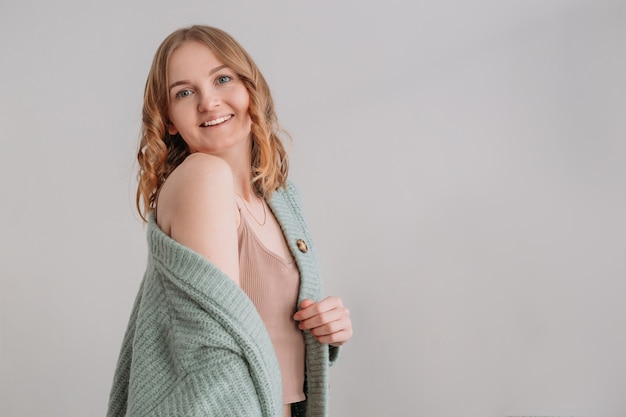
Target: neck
240,161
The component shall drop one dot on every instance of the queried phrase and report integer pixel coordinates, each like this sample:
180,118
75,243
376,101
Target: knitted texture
195,344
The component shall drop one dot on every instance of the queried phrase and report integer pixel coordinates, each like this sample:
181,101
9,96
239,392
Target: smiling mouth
217,121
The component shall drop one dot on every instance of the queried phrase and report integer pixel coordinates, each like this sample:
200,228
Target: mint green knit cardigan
195,344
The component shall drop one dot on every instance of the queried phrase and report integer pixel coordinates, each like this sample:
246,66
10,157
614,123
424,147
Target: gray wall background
463,170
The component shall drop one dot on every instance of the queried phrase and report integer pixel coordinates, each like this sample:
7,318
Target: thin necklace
252,215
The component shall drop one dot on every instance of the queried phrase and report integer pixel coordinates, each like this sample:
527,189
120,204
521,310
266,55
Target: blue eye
183,93
223,79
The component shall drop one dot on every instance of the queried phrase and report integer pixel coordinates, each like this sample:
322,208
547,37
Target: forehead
192,58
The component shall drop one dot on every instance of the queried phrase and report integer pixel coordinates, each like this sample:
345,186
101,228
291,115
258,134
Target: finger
311,310
335,333
329,328
323,318
328,304
306,303
335,339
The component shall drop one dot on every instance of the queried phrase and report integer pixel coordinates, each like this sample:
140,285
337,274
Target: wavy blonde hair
160,153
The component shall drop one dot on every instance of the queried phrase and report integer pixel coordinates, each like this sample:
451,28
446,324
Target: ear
171,129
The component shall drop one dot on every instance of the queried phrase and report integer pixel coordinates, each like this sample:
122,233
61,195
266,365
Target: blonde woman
229,319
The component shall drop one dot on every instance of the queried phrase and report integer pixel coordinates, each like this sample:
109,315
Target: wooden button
302,246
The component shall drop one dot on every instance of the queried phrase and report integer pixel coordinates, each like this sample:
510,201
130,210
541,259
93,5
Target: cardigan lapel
286,209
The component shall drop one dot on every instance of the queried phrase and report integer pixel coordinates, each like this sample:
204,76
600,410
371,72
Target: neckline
244,227
263,203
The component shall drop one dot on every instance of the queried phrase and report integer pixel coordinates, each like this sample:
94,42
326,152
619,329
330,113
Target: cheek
178,114
243,99
245,104
172,122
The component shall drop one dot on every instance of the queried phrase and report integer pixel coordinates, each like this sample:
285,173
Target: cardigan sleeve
195,345
118,398
219,391
226,370
188,360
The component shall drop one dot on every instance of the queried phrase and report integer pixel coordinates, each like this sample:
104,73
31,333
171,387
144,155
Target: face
208,102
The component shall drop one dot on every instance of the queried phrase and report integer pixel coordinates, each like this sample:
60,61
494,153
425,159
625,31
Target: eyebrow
213,71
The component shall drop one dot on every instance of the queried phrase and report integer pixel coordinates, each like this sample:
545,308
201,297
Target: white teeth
216,121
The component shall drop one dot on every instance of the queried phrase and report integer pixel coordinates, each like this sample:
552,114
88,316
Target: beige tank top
272,284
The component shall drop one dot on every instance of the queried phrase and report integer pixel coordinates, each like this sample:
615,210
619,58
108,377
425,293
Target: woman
228,320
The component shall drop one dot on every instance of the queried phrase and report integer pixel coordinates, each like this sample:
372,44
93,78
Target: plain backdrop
463,167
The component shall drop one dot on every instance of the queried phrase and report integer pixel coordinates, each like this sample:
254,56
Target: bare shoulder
196,207
201,184
201,168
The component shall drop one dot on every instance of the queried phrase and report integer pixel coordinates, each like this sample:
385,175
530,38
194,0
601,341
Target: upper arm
197,209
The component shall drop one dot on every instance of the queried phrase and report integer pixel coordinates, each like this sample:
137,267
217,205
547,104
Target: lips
216,121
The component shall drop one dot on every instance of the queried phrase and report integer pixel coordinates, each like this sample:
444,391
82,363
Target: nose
208,101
